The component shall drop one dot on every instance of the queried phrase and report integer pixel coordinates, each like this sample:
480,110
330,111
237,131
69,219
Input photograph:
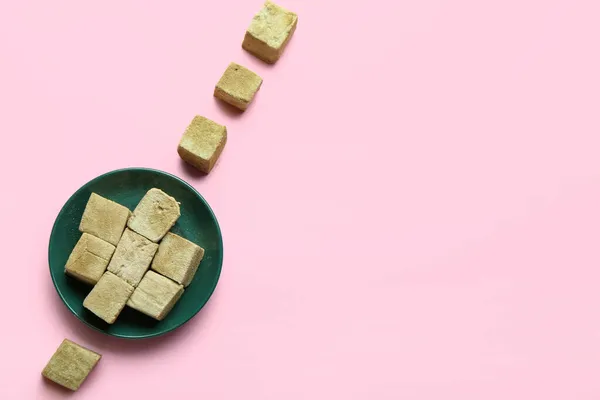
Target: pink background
410,208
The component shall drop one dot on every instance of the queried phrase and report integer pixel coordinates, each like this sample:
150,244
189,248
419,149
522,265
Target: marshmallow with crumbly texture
269,32
155,296
177,258
237,86
202,143
70,365
89,259
154,215
104,219
132,257
108,298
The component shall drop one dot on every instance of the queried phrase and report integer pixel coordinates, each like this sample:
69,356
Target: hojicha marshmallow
70,365
108,298
155,296
132,257
104,219
202,143
237,86
154,215
177,258
89,258
269,32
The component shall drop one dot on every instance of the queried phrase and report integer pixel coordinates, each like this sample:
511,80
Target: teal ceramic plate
127,186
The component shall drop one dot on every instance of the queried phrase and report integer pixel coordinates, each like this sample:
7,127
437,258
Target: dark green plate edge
212,214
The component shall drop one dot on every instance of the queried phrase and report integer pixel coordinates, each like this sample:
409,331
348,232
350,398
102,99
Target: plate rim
159,172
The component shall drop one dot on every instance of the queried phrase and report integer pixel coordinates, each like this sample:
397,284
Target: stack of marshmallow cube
131,258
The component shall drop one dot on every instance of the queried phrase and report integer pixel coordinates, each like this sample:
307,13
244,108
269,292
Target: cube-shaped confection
108,298
104,218
202,143
154,215
269,32
132,257
155,296
177,258
237,86
70,365
89,258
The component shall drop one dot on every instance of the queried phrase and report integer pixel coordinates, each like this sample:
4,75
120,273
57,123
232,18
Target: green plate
127,186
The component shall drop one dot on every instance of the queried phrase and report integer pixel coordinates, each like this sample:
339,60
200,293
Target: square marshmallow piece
178,259
70,365
154,215
237,86
269,32
155,296
202,143
108,298
89,259
132,257
104,219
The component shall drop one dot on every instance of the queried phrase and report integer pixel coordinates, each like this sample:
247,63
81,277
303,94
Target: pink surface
410,208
